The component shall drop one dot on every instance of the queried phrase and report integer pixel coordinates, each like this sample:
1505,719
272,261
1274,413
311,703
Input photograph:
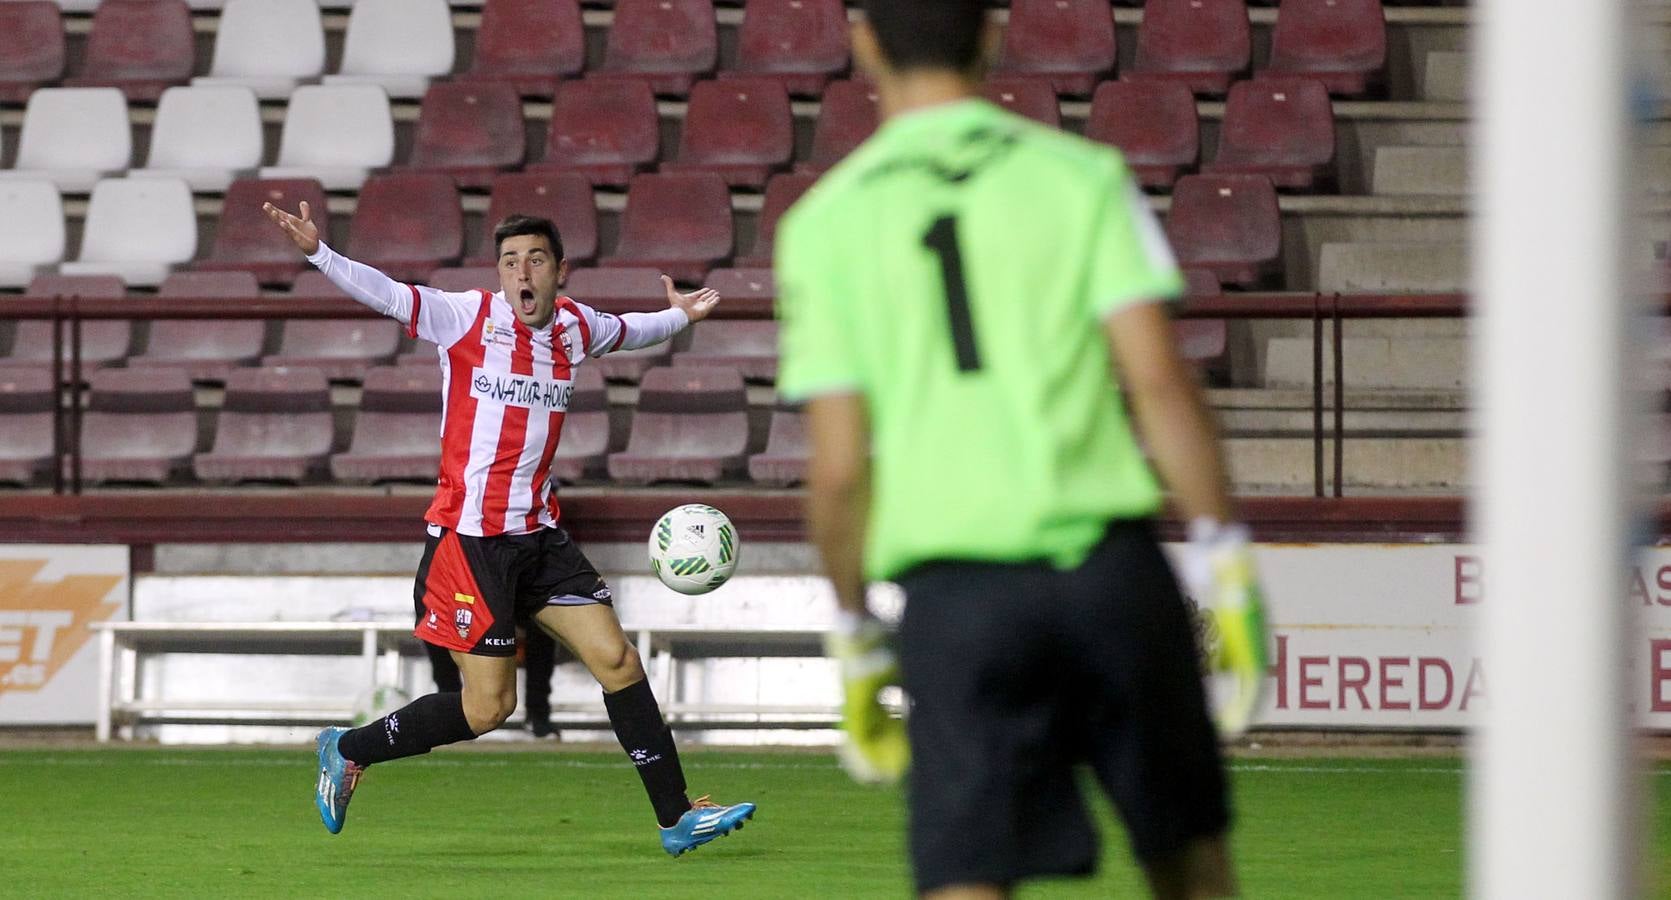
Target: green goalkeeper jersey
954,272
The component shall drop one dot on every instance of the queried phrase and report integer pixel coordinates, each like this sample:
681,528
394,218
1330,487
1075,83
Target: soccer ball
693,548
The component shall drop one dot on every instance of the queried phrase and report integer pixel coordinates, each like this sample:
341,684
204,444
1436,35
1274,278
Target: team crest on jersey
568,344
462,620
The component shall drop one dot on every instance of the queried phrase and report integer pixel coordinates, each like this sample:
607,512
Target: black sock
649,744
430,721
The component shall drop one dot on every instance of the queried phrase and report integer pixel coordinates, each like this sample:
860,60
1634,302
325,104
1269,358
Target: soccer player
965,299
496,556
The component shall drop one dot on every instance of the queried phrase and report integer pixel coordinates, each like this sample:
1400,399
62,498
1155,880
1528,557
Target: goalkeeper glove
875,749
1218,571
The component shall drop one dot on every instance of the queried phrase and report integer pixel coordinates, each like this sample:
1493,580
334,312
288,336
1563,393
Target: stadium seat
800,43
408,225
31,231
748,346
584,448
847,115
1226,224
398,45
137,229
562,197
618,290
529,44
470,131
421,353
31,48
205,136
746,291
268,46
739,129
691,424
667,43
1342,43
783,463
680,224
141,47
336,134
205,349
1025,97
604,129
102,342
246,239
1069,43
27,398
1280,128
274,425
73,137
1154,125
397,429
340,348
465,278
1201,283
781,193
1205,44
139,426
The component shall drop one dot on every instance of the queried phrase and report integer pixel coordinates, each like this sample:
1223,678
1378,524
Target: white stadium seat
137,229
73,137
337,134
269,46
398,44
205,136
31,231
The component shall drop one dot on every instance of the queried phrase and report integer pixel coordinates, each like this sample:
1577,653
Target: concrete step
1393,267
1225,399
1267,465
1372,362
1376,423
1439,171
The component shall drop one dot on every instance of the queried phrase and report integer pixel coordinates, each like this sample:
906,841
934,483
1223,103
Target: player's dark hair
516,225
928,34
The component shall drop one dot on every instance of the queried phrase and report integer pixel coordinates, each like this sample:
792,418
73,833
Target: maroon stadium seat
26,401
691,424
1154,125
1342,43
783,462
748,346
102,342
141,46
800,43
397,431
1201,283
1070,43
847,115
629,366
739,129
1280,128
1203,43
618,290
528,44
1025,97
408,225
341,348
606,129
31,48
140,425
468,278
1226,224
680,224
781,193
246,239
584,447
421,353
205,349
745,291
275,425
564,198
667,43
471,131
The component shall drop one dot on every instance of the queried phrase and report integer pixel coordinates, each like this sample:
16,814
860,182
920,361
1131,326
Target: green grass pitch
561,823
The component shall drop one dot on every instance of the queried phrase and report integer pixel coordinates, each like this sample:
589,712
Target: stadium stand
465,278
668,43
407,224
137,229
1280,128
102,343
604,129
745,289
800,43
205,136
563,197
205,349
139,426
470,131
847,115
31,48
141,47
1383,266
629,366
268,46
1342,43
245,238
739,129
335,134
1152,123
781,193
1025,97
584,449
691,425
1432,171
31,231
274,425
1069,43
342,349
618,290
398,45
1227,224
783,463
396,429
529,44
73,137
27,398
1204,44
750,347
678,223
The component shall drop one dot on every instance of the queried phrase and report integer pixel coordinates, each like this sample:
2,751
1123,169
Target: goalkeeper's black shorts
1019,674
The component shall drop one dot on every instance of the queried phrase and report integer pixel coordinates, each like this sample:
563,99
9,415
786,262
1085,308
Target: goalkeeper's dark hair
928,34
517,225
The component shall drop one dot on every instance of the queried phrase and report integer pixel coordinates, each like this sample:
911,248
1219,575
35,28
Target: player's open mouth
527,299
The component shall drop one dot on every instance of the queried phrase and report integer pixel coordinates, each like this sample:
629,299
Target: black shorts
475,590
1018,674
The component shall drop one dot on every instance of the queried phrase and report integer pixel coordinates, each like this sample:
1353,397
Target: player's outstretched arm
634,330
300,229
696,304
361,282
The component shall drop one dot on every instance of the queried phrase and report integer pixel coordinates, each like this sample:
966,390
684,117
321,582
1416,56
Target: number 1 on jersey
941,237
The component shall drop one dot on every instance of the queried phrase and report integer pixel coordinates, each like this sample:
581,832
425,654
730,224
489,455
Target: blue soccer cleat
702,823
337,778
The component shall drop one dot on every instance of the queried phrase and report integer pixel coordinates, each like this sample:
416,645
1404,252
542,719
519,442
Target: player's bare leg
489,689
593,633
1201,870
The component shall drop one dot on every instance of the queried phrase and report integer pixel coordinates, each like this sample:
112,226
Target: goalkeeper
971,303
